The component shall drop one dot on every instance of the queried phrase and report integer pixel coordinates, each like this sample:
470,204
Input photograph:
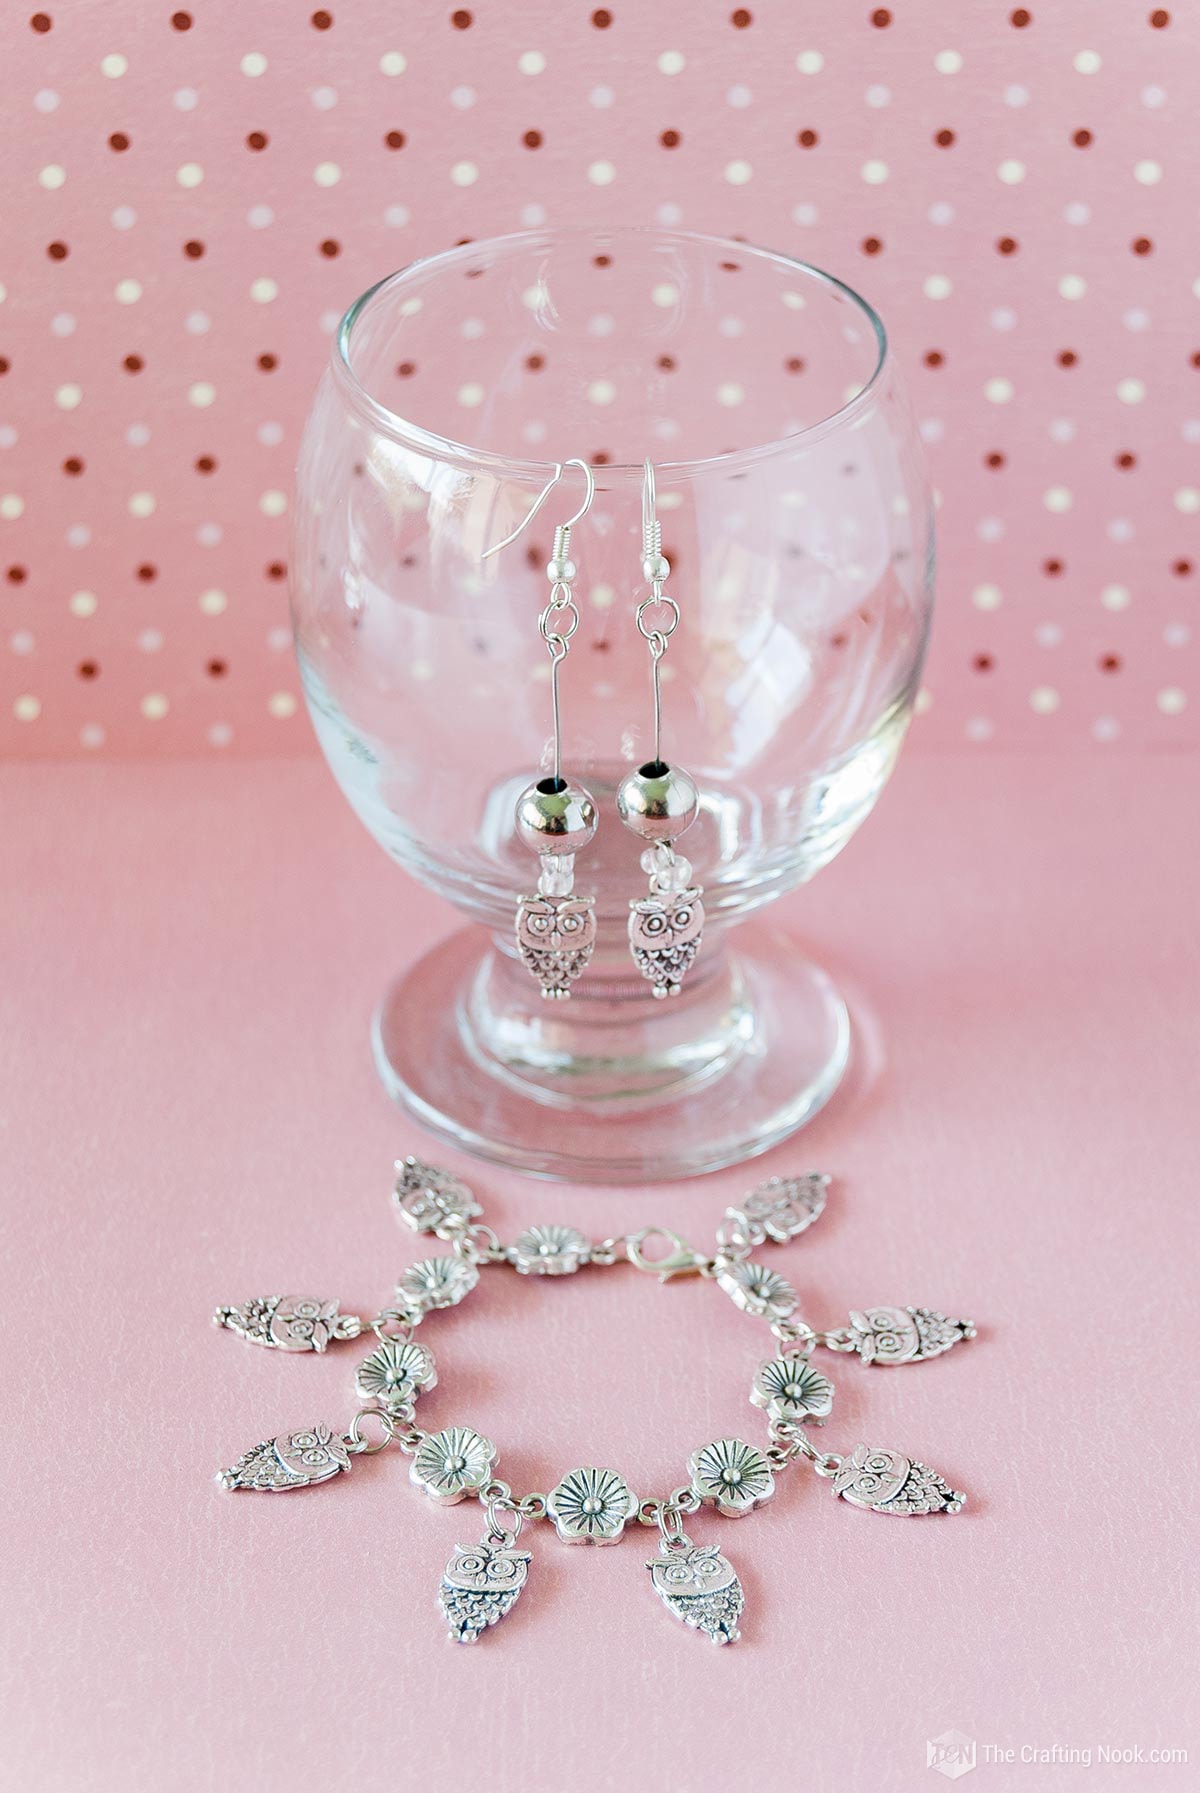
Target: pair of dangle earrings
556,929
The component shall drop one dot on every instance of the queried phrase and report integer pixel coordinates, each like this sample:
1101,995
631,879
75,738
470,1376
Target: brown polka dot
807,139
257,140
462,20
533,553
1181,568
944,139
182,21
73,465
1160,18
1020,18
730,267
667,363
321,21
741,19
994,460
205,464
1052,568
118,141
535,363
1142,245
1110,662
881,18
1125,460
1195,359
5,364
670,140
216,669
602,261
601,458
983,663
395,140
406,369
277,569
57,251
1081,139
794,364
87,669
268,363
1067,358
602,19
935,358
872,246
41,21
331,247
147,571
16,575
532,140
193,249
133,364
1007,246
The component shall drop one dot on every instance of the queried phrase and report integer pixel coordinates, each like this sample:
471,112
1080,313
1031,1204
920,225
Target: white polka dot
327,174
46,100
932,429
665,294
940,212
68,397
739,96
1044,699
990,529
471,394
730,393
1147,173
273,504
124,218
731,327
83,603
154,706
270,434
201,394
463,98
464,174
602,596
878,96
1116,597
213,602
601,392
1187,500
92,735
1106,728
113,65
1119,529
8,436
1061,429
793,300
979,728
937,286
254,63
190,175
185,99
141,504
810,62
150,641
62,324
1072,286
1172,700
26,708
52,176
805,213
197,323
1012,173
1086,62
534,430
1177,634
127,292
397,216
1016,95
947,62
670,214
601,325
1131,392
924,701
1048,634
1190,429
1003,318
874,173
209,535
1154,97
219,734
998,391
1057,498
600,97
987,597
259,216
281,705
21,642
324,98
263,290
137,435
738,173
532,62
393,62
601,174
1077,212
78,535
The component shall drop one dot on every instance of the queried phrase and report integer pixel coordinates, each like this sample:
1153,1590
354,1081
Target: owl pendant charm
664,936
555,938
556,930
480,1586
700,1586
886,1482
294,1460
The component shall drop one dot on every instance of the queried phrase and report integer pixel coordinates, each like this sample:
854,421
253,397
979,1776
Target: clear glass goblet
796,516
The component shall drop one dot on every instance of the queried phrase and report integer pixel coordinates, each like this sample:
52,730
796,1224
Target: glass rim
446,448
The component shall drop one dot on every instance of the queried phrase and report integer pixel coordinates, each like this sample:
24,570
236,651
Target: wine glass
796,516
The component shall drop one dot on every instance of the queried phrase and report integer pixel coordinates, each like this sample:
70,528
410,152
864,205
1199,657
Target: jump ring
361,1445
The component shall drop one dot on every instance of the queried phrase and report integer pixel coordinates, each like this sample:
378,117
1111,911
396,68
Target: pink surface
1013,188
189,1116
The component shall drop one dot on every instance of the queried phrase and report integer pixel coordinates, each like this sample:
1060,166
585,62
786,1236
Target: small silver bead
554,820
560,572
656,568
657,801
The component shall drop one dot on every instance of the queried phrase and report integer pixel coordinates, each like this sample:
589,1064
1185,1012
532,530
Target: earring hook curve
559,468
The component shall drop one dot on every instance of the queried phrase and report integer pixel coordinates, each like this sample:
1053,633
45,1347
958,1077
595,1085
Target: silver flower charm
396,1372
758,1291
450,1465
431,1200
289,1322
789,1388
549,1251
436,1282
778,1209
732,1476
590,1506
889,1483
904,1334
294,1460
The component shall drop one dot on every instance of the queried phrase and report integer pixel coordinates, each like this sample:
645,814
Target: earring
555,929
659,802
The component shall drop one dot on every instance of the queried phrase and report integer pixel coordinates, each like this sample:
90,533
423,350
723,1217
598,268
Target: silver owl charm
886,1482
481,1585
903,1334
289,1322
556,936
294,1460
700,1586
665,929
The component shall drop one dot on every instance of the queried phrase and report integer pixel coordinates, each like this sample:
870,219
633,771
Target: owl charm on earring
555,929
659,801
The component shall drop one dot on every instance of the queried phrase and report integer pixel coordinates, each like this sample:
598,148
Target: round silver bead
554,816
656,568
561,572
657,801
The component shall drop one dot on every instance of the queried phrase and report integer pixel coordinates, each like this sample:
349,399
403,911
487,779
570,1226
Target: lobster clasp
678,1260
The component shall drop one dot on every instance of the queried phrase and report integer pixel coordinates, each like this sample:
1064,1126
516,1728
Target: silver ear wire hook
562,535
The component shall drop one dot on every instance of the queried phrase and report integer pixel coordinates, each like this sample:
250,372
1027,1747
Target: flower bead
732,1476
789,1388
396,1372
758,1291
450,1465
431,1200
436,1282
549,1251
590,1506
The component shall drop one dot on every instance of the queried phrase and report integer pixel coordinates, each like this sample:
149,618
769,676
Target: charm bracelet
482,1582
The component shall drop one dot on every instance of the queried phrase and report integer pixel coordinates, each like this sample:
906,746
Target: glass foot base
612,1086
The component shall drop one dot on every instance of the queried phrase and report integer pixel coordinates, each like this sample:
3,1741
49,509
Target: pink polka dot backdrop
194,197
